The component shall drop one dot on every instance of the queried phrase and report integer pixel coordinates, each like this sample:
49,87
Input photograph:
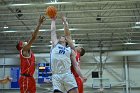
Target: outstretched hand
6,80
41,19
63,18
84,79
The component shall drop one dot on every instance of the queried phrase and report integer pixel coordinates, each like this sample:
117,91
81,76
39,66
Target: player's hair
82,51
19,45
65,39
66,44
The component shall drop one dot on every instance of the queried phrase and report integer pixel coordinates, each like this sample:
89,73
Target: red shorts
79,84
27,84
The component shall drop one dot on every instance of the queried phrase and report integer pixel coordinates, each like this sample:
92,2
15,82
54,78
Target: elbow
67,33
33,37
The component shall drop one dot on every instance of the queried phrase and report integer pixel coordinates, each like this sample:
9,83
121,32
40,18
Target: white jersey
60,59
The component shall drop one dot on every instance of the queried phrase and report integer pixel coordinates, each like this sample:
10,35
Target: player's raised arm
76,67
53,32
5,80
67,32
34,34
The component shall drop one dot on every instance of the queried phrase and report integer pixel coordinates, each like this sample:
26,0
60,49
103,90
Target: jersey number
61,51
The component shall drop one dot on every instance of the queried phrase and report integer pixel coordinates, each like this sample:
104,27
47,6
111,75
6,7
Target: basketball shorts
63,82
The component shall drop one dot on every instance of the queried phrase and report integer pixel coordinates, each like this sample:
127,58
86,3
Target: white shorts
63,82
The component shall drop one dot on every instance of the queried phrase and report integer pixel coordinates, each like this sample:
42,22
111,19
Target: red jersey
27,64
78,62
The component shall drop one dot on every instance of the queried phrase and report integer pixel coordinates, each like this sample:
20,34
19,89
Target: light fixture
42,30
58,3
33,46
73,41
69,29
129,43
48,45
137,23
53,0
20,4
51,42
135,27
5,27
9,31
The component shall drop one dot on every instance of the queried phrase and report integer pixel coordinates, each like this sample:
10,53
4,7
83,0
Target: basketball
51,12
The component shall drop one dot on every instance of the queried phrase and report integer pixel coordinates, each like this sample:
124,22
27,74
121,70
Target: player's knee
74,90
57,91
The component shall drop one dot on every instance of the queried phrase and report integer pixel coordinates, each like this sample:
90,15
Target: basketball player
79,52
5,80
61,59
27,62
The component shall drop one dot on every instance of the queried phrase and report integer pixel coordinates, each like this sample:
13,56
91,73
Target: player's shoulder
55,45
73,52
69,48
